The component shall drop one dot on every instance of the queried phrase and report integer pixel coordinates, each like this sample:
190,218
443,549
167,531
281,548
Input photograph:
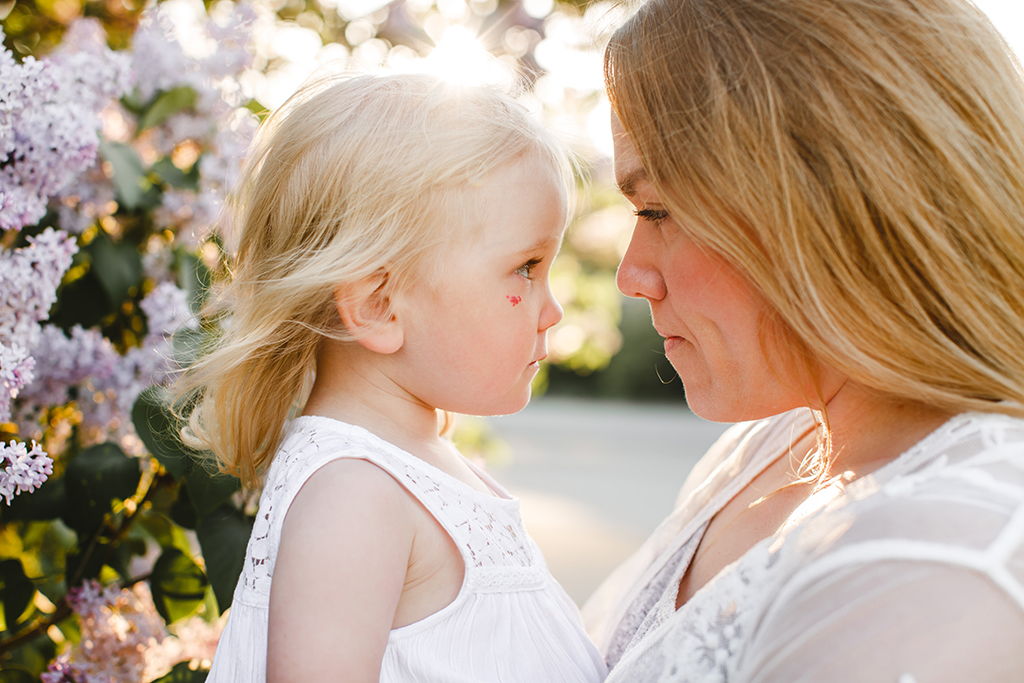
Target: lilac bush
114,166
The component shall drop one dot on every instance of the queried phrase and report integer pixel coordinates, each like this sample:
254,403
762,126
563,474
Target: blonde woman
396,237
830,234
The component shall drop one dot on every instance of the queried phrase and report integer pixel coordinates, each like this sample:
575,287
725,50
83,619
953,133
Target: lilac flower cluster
28,288
86,367
49,119
64,365
124,640
118,627
216,125
21,469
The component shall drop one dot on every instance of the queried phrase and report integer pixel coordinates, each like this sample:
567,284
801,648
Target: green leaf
157,427
178,584
183,513
181,673
48,502
189,345
86,564
223,536
117,265
174,176
16,591
167,105
93,478
129,173
17,675
121,555
209,490
82,302
193,277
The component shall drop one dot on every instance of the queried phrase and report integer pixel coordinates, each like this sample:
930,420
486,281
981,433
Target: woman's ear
366,313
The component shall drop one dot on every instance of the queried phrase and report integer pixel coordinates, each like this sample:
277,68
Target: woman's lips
671,343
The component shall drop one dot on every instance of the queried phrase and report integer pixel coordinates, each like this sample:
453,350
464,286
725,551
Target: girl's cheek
513,299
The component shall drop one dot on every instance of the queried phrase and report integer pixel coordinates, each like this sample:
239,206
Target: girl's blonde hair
353,177
862,163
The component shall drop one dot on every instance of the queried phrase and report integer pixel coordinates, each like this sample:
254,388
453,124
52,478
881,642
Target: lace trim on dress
487,530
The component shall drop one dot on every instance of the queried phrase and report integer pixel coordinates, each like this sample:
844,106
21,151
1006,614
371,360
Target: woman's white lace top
510,621
915,573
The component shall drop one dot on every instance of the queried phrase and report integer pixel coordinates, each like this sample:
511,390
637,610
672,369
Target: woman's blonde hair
353,177
862,163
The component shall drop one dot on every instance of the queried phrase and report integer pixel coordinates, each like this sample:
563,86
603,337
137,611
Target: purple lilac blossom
49,119
28,285
64,363
16,370
125,641
22,470
28,288
216,124
110,397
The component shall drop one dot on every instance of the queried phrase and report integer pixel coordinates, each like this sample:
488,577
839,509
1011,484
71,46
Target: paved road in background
595,478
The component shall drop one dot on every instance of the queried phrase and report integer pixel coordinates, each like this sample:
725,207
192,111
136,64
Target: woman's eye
526,269
653,215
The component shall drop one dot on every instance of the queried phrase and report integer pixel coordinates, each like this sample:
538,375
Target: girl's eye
653,215
525,269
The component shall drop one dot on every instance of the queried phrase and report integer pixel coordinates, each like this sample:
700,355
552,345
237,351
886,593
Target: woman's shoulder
948,498
930,547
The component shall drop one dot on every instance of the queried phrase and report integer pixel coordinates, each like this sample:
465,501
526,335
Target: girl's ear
365,312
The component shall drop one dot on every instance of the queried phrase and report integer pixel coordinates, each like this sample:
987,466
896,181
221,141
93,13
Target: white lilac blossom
22,470
125,641
49,119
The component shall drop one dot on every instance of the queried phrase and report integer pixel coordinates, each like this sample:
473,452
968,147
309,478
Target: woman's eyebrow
627,186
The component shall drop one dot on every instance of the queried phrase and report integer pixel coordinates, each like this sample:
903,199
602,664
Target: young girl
396,237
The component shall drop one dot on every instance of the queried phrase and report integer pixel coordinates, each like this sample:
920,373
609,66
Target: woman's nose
638,276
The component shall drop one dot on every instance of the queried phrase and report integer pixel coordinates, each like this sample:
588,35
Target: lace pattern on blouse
975,462
487,530
648,610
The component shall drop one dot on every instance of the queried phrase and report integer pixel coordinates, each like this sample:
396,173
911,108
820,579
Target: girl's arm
339,575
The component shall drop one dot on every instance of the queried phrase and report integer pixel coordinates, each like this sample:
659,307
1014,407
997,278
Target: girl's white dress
510,621
914,573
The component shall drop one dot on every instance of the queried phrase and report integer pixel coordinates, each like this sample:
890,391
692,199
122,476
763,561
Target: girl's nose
638,276
551,313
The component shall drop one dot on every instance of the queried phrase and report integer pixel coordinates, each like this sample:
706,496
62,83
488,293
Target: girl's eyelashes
526,269
653,215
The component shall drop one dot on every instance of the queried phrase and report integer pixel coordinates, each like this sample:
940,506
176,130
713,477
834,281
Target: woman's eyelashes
526,269
652,215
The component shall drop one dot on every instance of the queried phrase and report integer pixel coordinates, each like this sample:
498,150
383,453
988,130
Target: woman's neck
868,429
